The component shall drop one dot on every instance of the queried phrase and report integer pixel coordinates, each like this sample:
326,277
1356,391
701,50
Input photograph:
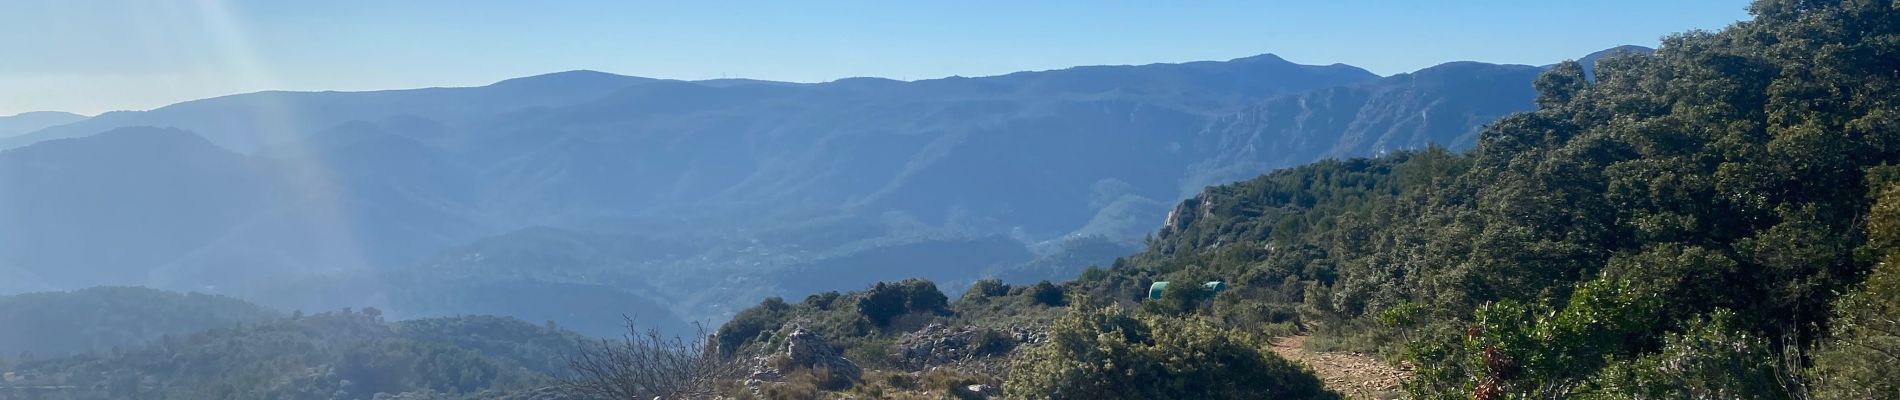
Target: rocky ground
1357,376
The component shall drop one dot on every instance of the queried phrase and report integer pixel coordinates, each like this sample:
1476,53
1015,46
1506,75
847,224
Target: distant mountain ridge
245,122
24,123
765,188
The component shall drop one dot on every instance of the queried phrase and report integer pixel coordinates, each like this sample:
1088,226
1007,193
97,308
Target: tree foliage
1109,354
1702,221
1862,358
886,301
1716,194
55,324
332,355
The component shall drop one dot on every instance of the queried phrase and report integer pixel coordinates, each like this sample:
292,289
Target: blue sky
91,56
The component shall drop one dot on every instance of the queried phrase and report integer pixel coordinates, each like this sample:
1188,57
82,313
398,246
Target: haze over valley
628,200
676,198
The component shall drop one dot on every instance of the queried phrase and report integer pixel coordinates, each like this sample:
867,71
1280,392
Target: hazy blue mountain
150,206
1443,105
111,208
679,200
24,123
247,122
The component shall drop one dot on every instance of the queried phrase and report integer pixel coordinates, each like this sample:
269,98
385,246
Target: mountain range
682,200
25,123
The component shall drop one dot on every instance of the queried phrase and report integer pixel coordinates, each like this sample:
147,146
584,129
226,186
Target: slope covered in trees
1681,225
53,324
333,355
1711,220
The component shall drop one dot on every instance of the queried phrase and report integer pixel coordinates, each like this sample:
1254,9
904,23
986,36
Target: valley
673,198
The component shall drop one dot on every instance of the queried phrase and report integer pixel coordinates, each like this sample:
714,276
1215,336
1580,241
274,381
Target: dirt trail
1354,375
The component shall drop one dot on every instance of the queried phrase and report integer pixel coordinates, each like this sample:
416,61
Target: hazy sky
90,56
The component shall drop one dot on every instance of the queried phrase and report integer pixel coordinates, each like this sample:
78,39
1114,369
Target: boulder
805,349
937,344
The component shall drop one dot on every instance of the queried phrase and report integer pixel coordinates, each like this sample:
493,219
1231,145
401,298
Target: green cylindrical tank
1213,287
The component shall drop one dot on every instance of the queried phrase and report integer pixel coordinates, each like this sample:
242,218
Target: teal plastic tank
1214,287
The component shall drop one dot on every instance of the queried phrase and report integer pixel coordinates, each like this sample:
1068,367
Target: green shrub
823,301
990,341
871,352
1537,351
748,324
1048,294
984,290
885,301
1862,360
1256,315
1108,354
1179,299
1710,360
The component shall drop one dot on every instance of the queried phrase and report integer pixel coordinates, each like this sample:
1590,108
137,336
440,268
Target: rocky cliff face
1186,213
805,350
938,344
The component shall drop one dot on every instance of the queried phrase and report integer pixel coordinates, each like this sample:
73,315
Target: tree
1557,87
1515,350
983,290
1861,358
1711,359
1182,297
886,301
1048,294
648,365
749,323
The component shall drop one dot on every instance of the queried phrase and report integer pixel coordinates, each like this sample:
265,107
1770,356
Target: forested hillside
333,355
53,324
1713,220
1682,225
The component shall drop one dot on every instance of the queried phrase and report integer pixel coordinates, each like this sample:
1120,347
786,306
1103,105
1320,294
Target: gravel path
1355,375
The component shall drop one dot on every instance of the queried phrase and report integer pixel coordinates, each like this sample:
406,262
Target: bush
1107,354
1048,294
985,289
1537,350
885,301
871,353
823,301
1711,360
1863,357
748,324
1255,315
645,365
1180,298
